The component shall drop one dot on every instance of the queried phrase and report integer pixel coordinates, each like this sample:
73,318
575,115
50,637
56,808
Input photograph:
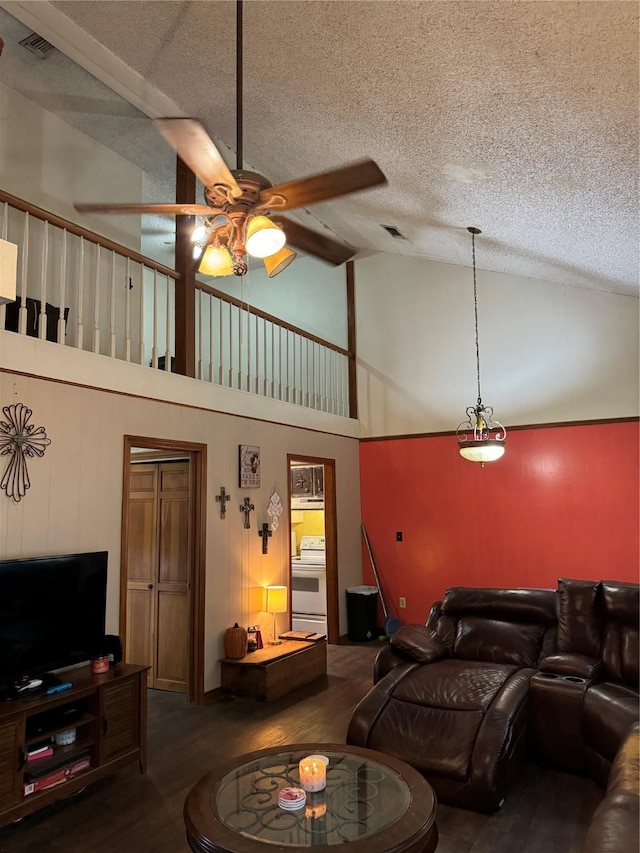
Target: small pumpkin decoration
235,642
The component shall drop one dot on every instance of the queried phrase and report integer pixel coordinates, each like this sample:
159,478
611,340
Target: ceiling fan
237,201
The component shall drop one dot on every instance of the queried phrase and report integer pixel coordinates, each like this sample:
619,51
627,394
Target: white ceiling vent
37,45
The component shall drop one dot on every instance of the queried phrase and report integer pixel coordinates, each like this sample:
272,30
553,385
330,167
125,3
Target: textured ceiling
518,117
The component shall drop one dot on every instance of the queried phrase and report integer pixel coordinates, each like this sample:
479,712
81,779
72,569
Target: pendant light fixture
480,438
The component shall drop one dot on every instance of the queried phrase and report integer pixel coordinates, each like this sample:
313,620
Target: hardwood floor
547,812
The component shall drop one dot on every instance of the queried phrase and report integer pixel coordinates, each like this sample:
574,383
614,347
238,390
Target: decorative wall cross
222,499
19,440
265,533
246,508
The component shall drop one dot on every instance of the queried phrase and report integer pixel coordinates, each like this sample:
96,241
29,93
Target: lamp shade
276,263
263,237
482,451
216,261
8,271
276,599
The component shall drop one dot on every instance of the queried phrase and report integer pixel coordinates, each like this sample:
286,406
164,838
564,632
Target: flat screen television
52,613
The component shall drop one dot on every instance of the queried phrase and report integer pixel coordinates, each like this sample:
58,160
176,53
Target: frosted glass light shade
263,237
276,599
276,263
481,451
216,261
8,271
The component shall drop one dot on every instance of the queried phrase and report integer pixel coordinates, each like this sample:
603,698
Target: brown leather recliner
614,827
453,701
611,704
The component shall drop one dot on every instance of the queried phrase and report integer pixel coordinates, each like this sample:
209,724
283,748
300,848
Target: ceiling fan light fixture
216,262
263,237
274,264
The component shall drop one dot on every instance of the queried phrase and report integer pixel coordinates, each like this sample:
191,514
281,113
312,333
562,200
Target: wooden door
160,558
142,563
173,579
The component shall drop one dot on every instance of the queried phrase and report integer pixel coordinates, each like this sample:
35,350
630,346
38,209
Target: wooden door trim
330,534
197,454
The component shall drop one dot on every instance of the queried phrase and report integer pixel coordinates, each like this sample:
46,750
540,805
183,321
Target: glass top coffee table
372,803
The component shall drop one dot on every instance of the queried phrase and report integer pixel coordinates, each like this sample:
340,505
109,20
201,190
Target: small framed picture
249,466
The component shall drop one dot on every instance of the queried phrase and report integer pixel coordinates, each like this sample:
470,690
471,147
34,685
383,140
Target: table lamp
276,603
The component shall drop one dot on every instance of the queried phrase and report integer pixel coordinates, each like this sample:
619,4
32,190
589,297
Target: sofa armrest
419,643
569,664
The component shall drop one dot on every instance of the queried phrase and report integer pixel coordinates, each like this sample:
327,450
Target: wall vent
37,45
393,231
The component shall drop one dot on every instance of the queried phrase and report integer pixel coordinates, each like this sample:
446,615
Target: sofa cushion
609,711
498,641
620,648
511,605
580,617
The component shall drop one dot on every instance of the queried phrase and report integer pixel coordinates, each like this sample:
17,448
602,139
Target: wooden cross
222,499
265,533
246,508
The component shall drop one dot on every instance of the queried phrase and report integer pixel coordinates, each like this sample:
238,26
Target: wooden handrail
270,317
72,228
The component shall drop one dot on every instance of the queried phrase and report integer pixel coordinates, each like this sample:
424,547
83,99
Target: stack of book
54,772
307,636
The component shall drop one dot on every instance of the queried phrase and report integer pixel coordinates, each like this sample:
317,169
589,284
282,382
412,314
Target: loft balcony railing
76,288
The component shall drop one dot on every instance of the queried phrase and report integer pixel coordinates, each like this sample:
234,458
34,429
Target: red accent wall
562,502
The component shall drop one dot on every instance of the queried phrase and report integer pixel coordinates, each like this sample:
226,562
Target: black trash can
362,613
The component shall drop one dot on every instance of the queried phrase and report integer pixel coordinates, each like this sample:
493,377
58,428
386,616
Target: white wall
47,162
75,499
548,353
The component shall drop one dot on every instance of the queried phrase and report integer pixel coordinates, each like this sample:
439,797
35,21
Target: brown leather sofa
458,697
616,822
451,696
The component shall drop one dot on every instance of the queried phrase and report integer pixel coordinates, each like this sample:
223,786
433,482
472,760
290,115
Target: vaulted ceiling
518,117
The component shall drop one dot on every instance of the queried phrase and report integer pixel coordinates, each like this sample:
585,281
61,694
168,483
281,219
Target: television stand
29,686
109,715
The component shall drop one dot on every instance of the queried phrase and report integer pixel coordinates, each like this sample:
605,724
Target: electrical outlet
403,601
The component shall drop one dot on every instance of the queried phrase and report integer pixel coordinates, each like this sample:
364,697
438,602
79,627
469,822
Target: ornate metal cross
265,533
246,508
222,499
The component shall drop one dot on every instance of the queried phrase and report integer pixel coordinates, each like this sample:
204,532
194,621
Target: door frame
331,537
197,454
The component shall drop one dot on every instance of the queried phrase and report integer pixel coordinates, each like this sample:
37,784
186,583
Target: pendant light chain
475,305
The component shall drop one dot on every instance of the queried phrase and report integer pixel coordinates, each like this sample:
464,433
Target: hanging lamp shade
263,237
281,260
216,261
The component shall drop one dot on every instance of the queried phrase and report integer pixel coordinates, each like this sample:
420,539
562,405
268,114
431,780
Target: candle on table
313,774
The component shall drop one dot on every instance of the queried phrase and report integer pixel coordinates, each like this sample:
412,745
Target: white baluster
127,312
273,360
211,365
264,357
79,317
96,303
63,280
5,224
287,371
112,308
199,333
167,349
154,340
141,358
240,348
279,362
220,346
230,346
22,314
42,320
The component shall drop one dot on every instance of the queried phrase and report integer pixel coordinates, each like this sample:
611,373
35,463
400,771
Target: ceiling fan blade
194,146
171,209
313,243
326,185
